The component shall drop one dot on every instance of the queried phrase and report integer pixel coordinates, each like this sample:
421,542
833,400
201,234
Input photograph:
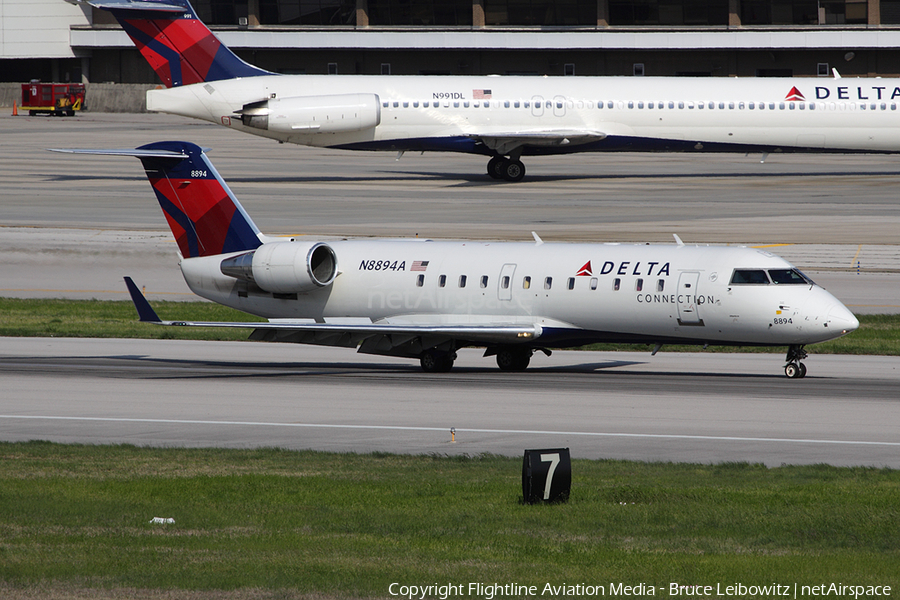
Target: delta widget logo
794,95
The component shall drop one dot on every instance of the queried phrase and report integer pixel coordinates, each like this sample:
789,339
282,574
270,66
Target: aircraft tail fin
178,46
203,213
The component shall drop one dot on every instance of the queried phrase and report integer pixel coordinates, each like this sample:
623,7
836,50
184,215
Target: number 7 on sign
553,459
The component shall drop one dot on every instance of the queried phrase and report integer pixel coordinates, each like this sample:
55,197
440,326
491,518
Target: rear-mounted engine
285,267
314,114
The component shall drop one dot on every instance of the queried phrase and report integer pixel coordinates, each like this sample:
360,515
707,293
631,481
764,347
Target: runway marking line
458,430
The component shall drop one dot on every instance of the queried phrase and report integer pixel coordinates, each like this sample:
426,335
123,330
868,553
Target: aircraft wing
505,142
394,339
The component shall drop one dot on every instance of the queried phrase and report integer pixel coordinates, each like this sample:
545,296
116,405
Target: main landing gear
510,169
794,368
436,361
514,359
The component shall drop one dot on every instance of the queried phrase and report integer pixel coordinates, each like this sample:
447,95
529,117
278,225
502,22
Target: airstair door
688,313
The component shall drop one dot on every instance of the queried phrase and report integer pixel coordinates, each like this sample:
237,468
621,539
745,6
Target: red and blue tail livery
203,213
205,217
176,44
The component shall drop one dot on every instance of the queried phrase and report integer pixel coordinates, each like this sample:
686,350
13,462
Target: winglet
537,239
678,240
145,311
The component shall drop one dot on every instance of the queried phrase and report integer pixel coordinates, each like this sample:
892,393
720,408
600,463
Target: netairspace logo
493,591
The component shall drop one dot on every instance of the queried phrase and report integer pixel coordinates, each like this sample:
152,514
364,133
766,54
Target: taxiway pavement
694,407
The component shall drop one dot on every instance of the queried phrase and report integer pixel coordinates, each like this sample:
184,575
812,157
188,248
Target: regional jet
425,299
505,117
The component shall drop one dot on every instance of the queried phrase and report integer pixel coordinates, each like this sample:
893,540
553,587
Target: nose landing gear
794,368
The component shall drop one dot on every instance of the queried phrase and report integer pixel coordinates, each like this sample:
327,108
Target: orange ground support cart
52,98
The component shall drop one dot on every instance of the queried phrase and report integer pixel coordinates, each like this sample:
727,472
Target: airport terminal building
55,40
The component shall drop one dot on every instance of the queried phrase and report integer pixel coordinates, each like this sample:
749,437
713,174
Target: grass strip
347,525
114,319
877,334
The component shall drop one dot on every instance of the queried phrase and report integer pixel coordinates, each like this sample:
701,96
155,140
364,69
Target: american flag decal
419,265
481,94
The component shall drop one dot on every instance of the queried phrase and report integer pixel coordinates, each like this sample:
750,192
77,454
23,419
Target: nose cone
841,320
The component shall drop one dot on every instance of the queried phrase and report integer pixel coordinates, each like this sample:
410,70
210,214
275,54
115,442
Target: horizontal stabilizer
139,152
132,5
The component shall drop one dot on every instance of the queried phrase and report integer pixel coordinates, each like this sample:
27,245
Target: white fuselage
491,115
573,293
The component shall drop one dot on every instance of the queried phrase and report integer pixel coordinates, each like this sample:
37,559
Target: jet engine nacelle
285,267
314,114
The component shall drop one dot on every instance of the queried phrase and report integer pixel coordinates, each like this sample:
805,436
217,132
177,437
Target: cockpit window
749,276
789,276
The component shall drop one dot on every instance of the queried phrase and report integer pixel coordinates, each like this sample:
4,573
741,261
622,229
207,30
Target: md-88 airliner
506,117
426,299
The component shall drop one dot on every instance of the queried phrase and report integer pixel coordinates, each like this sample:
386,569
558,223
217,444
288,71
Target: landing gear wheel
516,359
434,361
494,167
795,370
513,170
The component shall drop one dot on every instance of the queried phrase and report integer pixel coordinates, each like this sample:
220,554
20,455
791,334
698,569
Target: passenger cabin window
789,276
593,283
420,280
749,276
504,283
484,281
661,285
617,284
639,285
571,283
526,283
442,280
548,283
462,281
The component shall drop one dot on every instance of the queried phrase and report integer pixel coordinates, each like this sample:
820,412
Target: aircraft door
537,106
688,313
505,283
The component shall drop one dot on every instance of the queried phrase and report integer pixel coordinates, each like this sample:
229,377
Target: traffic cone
15,109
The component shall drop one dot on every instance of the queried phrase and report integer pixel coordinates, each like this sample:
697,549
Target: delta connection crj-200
425,299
